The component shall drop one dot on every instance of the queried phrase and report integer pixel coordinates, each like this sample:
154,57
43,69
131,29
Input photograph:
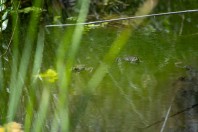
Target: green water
132,96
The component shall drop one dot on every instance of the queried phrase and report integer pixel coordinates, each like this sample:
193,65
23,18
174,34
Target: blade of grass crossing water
15,55
16,89
42,113
36,69
39,54
64,70
101,71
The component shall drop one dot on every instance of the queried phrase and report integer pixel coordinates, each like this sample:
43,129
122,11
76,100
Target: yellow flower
11,127
50,76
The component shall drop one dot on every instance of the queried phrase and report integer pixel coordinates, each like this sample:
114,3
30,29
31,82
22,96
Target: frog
81,67
130,59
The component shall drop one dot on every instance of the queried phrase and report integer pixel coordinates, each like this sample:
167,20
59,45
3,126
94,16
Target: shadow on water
184,105
186,100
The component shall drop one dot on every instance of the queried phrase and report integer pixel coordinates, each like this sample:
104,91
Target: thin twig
125,18
180,112
167,116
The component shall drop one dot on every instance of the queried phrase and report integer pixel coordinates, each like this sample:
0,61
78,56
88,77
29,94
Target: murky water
136,96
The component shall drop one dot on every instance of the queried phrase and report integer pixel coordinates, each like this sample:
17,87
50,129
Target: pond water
135,96
151,78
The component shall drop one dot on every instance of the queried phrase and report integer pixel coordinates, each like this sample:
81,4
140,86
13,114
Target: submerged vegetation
102,65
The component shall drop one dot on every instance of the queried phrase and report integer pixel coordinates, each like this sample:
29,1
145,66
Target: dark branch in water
125,18
179,112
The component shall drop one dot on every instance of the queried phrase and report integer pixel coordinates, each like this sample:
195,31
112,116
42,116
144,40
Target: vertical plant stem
18,83
42,113
64,70
33,88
